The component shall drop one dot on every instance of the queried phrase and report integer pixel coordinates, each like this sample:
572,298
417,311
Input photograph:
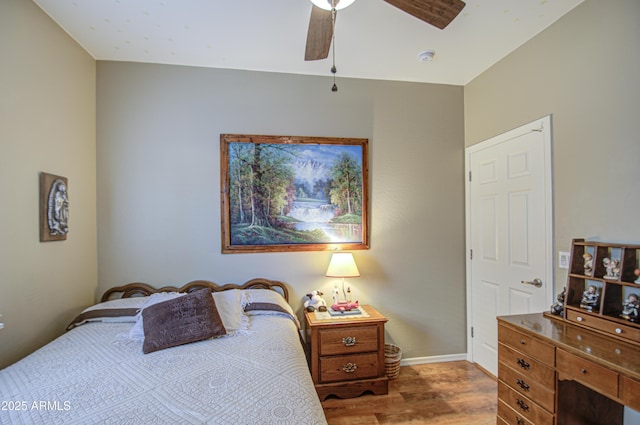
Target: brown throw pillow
182,320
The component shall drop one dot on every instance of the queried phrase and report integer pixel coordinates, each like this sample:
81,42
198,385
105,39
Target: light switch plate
563,259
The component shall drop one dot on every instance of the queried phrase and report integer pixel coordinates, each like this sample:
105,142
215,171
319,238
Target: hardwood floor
440,393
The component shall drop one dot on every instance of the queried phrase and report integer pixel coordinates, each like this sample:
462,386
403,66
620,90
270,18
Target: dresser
346,353
554,372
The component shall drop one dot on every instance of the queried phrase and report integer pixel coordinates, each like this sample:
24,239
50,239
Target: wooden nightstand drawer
523,406
533,347
349,367
356,339
527,366
588,373
544,395
346,354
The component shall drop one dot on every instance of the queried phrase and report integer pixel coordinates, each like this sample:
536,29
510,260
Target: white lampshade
343,265
326,4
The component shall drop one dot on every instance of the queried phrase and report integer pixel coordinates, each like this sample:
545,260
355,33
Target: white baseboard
433,359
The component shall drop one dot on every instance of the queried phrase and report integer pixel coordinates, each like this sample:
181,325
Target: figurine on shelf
630,308
636,272
558,307
613,268
590,298
588,263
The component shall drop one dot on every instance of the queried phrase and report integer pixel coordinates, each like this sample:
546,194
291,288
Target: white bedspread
94,374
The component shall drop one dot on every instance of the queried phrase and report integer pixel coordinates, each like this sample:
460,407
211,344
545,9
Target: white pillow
137,331
230,308
267,296
228,304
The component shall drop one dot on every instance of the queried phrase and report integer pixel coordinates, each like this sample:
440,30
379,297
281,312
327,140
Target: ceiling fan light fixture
427,55
326,4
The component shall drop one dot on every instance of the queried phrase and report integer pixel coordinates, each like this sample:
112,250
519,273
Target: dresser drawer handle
523,364
522,384
618,330
579,319
583,371
350,367
522,405
519,421
523,342
349,341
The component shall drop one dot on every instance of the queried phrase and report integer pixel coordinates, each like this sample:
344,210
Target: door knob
537,282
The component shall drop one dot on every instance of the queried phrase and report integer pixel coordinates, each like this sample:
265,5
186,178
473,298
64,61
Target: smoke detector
427,55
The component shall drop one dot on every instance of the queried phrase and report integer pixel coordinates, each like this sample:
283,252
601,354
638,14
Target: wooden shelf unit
613,290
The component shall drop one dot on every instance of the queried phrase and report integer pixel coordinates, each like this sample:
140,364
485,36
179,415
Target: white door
509,233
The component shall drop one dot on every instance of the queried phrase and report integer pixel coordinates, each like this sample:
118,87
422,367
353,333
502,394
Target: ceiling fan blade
319,35
438,13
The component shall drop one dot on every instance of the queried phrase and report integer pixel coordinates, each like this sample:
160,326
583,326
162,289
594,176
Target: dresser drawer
613,328
630,392
544,395
508,416
527,366
521,407
588,373
526,344
354,339
348,367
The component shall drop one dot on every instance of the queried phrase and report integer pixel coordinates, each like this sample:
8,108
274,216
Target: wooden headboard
143,289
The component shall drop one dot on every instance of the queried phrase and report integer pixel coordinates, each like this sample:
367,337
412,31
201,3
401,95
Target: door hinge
471,254
471,331
469,175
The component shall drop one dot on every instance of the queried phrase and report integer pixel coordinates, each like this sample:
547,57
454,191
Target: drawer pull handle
579,319
522,405
519,421
523,364
522,384
350,367
523,342
618,330
583,371
349,341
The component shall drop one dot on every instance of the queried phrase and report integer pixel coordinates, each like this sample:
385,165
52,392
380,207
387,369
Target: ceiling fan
438,13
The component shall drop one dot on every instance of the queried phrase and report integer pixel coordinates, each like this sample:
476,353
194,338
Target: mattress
97,374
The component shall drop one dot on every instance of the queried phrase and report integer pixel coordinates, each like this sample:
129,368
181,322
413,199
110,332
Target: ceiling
374,40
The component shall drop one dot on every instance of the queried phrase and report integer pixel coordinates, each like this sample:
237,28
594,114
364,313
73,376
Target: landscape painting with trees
293,193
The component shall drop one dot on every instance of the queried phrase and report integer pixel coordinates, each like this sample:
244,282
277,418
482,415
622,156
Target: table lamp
342,265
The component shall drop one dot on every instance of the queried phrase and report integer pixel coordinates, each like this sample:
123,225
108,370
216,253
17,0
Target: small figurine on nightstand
637,273
588,263
630,308
315,302
336,295
558,307
590,298
613,268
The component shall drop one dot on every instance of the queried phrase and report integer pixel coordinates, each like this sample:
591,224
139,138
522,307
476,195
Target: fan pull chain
334,88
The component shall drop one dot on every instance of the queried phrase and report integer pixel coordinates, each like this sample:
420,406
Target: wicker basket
392,355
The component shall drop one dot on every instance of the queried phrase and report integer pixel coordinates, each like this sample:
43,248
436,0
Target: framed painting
54,208
292,193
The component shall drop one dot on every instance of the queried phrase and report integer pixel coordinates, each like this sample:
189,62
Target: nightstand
347,353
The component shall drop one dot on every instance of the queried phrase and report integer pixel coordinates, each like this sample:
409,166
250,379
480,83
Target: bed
253,370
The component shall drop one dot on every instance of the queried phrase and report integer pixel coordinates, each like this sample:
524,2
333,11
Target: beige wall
158,186
47,123
158,168
583,70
